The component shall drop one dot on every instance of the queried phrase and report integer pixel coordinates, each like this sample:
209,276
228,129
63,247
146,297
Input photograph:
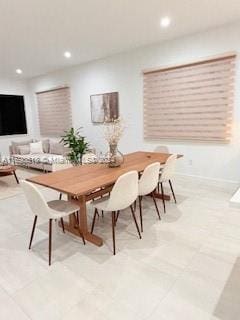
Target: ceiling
35,33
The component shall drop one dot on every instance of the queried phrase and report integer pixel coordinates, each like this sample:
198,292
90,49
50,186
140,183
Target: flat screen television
12,115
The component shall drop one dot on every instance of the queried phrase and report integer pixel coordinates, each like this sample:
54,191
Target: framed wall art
104,107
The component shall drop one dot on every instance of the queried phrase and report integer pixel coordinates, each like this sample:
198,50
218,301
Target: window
54,110
190,102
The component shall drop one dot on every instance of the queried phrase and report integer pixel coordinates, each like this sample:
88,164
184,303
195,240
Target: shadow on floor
228,307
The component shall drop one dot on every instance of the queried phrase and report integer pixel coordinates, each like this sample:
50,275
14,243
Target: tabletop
81,180
7,168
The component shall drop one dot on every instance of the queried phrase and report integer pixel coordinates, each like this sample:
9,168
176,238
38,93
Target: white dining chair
52,210
161,149
166,175
147,185
122,196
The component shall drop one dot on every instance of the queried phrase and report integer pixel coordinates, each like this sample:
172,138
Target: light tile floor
187,266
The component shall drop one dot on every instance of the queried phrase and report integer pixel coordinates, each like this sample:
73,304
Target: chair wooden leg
94,218
155,203
136,224
113,231
170,183
50,242
32,234
163,200
140,212
102,214
62,223
79,230
16,177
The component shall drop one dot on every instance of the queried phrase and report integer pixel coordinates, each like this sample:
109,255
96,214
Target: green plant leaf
76,143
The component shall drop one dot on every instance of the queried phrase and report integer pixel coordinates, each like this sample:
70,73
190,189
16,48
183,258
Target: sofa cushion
36,147
20,143
25,149
45,158
46,145
52,158
56,148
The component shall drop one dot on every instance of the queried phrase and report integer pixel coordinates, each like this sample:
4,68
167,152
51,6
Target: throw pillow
20,143
46,146
56,148
36,147
25,149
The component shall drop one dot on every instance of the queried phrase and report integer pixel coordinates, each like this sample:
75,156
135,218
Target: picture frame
104,107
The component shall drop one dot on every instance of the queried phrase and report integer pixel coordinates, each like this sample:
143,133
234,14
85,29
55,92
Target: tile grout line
183,271
15,302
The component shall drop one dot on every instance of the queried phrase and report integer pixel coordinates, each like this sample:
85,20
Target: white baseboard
208,178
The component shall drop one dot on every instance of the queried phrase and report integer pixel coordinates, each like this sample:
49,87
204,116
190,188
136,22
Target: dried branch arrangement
113,131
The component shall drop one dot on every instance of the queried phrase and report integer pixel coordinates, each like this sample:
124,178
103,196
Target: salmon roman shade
54,110
190,102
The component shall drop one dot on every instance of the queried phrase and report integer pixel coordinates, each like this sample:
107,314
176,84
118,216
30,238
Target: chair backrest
149,179
124,192
169,168
161,149
35,199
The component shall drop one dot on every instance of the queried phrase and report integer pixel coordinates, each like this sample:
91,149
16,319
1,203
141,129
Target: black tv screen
12,115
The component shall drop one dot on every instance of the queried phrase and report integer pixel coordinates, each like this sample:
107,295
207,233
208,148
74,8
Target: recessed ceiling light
67,54
18,71
165,22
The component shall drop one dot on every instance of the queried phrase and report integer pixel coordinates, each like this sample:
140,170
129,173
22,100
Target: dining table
84,183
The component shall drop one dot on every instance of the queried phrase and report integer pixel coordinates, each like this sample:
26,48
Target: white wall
122,73
8,86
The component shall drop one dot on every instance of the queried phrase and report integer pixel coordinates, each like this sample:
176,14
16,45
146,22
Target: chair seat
141,194
61,208
101,204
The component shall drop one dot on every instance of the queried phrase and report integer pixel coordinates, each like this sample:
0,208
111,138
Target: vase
116,157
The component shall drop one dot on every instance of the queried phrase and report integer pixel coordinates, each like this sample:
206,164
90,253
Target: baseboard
208,178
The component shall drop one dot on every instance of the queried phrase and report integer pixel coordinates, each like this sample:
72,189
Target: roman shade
190,102
54,110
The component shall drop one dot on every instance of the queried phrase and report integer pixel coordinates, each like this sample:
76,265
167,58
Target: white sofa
53,157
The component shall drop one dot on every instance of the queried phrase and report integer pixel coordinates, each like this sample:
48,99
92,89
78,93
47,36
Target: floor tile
53,294
9,309
178,308
185,265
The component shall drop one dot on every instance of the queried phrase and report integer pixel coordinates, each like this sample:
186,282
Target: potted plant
76,143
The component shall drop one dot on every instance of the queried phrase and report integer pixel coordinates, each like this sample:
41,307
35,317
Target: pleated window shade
190,102
54,110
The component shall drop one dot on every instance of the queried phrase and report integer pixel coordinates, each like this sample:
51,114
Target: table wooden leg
72,227
159,196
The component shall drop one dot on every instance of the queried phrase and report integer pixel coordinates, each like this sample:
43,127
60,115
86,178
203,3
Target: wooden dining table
84,183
